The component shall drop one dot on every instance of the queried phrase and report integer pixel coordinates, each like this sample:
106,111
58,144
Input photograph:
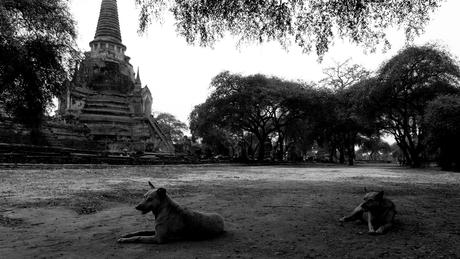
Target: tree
406,84
343,75
248,106
37,48
172,127
312,24
442,121
292,105
397,154
300,136
375,147
353,121
346,119
218,140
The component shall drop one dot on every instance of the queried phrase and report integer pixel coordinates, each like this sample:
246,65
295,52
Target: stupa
107,96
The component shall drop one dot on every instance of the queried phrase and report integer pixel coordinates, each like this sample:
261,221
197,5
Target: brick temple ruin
107,96
104,108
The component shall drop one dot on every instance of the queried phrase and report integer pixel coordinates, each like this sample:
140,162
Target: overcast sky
178,75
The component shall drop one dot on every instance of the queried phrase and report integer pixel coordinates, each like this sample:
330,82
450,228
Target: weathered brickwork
106,95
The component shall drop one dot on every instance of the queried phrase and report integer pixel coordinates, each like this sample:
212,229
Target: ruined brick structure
107,96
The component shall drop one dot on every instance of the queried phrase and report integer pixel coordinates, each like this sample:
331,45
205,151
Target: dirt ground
270,211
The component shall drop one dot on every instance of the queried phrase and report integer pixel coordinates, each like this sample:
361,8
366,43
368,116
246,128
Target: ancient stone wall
52,133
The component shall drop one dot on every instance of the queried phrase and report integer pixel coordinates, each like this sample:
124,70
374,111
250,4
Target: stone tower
107,96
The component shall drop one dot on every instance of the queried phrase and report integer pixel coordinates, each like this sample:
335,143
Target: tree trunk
261,137
372,155
244,153
251,150
331,155
280,152
445,159
261,154
416,159
404,148
412,156
351,155
342,155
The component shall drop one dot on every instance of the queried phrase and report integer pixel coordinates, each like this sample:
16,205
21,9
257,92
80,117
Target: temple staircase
107,114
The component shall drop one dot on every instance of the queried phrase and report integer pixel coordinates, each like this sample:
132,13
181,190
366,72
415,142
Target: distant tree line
414,96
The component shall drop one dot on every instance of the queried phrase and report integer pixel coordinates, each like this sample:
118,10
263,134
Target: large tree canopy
172,127
311,24
343,75
215,138
36,51
344,120
259,105
405,85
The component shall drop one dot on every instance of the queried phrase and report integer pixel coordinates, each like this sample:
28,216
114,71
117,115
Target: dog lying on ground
173,222
377,211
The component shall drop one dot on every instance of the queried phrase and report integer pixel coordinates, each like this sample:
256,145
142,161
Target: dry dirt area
270,211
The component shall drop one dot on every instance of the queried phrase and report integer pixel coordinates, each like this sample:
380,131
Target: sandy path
275,211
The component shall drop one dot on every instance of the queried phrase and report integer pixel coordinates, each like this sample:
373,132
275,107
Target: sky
178,75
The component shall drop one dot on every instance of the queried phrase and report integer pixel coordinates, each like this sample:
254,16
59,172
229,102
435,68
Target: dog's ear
379,195
161,192
151,185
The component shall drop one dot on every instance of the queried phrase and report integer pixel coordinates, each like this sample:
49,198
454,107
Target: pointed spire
108,26
138,77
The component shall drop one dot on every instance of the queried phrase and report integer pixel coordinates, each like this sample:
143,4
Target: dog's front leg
384,228
140,239
356,214
389,219
139,233
369,223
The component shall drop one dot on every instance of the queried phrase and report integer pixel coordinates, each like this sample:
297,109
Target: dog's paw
379,231
342,219
372,232
122,240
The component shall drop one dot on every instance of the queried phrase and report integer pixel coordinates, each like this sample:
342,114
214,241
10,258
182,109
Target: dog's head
152,200
372,200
